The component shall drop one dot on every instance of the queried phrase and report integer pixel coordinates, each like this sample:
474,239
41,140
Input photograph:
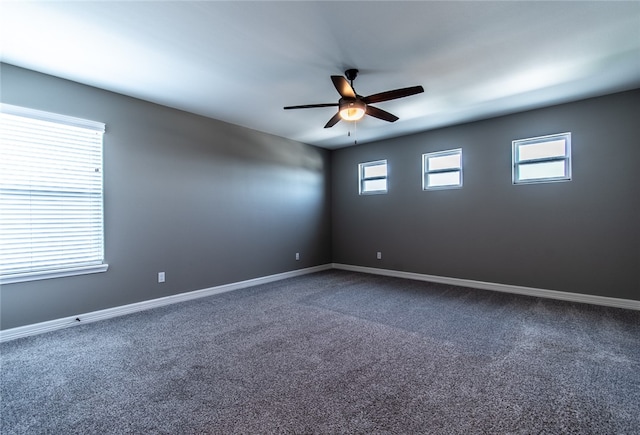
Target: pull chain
355,132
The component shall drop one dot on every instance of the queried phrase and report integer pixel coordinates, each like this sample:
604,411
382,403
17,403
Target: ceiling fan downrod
351,75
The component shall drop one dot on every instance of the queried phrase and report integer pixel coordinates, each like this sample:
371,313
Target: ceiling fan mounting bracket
351,74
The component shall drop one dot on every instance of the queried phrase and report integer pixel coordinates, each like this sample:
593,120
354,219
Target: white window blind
51,201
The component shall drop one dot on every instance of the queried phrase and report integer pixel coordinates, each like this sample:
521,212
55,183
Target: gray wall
579,236
207,202
211,203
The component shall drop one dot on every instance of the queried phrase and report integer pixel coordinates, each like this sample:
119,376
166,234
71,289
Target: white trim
41,115
628,304
53,325
57,273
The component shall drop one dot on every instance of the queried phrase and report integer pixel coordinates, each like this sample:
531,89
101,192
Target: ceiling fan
352,107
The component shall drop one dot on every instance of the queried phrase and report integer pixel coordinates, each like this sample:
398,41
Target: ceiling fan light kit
352,110
352,107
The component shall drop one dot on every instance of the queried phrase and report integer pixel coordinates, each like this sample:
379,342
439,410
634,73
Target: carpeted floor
333,352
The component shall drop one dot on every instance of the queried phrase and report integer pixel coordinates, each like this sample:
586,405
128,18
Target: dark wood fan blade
311,106
343,87
392,95
381,114
333,121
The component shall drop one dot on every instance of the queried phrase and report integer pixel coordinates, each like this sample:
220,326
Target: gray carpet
333,352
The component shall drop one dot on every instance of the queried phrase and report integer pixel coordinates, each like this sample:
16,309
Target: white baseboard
528,291
52,325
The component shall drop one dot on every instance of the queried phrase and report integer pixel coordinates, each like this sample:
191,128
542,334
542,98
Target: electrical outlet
297,256
379,255
160,276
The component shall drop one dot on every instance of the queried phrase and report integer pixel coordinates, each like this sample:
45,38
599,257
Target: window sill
453,186
374,192
48,274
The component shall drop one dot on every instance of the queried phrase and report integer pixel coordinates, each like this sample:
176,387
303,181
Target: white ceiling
241,62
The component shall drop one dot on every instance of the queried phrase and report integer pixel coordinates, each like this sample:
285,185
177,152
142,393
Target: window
373,177
442,170
51,221
542,159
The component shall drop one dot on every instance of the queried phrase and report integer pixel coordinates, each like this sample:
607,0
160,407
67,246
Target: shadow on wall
226,140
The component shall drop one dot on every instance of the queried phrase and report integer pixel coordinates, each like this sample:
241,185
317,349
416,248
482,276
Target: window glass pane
541,150
379,170
374,185
534,171
443,179
451,161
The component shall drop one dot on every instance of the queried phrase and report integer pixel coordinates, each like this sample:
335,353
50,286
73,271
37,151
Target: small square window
542,159
442,170
372,177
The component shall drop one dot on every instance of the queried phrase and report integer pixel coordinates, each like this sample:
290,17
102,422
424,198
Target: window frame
94,262
426,171
362,178
516,163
